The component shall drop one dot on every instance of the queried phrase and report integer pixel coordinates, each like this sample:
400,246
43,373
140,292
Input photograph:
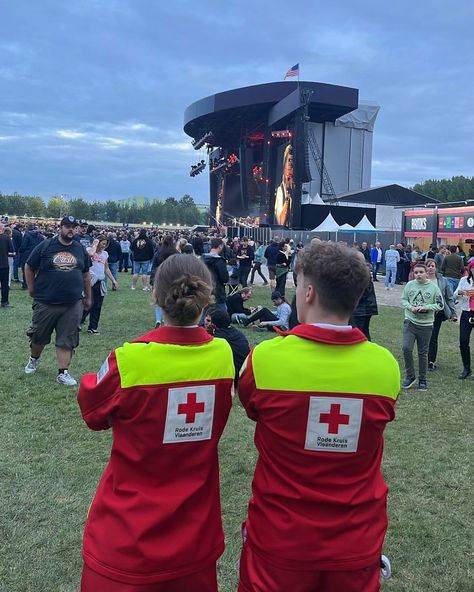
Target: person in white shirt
125,258
465,293
392,257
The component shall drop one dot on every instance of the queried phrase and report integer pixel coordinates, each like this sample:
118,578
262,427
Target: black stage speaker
301,152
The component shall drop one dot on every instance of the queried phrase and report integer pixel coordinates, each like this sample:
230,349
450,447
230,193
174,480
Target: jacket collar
325,335
176,336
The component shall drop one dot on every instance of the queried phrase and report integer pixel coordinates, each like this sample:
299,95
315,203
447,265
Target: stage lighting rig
206,139
197,168
282,134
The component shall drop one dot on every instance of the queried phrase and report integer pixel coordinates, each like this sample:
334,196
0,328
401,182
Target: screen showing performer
284,191
220,199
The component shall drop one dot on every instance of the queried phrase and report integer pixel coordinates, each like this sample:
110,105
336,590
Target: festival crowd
317,515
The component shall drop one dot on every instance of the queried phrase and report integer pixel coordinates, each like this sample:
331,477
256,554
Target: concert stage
273,150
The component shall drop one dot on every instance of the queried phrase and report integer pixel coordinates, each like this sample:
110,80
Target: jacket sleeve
438,302
448,297
222,273
405,302
98,395
247,388
25,243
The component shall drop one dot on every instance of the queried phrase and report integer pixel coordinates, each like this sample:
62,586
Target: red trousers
257,575
203,581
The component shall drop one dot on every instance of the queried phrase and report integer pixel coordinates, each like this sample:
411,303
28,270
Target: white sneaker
385,567
146,288
32,366
133,288
66,378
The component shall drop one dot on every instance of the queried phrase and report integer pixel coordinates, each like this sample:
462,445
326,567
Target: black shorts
62,318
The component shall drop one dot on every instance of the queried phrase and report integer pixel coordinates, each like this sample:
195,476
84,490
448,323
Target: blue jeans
124,262
113,269
16,266
141,267
237,315
390,276
157,314
375,268
453,283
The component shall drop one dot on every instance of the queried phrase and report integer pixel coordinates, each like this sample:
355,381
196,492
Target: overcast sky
93,92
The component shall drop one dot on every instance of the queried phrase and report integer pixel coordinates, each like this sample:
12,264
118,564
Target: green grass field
51,463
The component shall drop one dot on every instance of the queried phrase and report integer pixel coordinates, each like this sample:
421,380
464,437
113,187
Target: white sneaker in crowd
385,567
146,288
32,365
66,378
133,288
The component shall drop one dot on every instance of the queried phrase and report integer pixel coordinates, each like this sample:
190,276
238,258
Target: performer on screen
284,192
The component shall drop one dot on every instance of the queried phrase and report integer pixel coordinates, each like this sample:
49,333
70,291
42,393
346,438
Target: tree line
455,189
170,211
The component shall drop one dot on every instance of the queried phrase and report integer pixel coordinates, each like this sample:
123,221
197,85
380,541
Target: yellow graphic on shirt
64,261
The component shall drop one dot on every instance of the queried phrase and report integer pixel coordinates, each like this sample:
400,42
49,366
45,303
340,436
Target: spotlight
197,168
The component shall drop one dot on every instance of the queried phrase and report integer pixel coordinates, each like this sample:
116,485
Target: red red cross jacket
156,513
321,399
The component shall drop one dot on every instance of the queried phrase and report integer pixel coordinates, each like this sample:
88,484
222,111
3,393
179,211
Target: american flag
294,71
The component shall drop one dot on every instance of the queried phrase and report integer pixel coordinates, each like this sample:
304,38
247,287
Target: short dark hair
420,264
220,318
339,275
216,243
452,249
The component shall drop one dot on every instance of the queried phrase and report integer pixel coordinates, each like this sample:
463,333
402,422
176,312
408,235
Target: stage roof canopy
233,114
387,195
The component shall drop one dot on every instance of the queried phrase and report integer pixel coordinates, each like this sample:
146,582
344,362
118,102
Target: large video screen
284,185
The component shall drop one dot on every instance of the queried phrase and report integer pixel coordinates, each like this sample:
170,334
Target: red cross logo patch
190,414
333,424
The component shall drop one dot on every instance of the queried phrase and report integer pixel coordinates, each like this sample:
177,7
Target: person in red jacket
155,522
317,517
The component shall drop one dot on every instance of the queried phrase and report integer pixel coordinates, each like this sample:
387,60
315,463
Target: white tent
329,225
346,228
364,225
308,200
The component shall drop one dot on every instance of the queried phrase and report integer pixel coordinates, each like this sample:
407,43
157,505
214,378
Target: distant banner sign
456,223
419,223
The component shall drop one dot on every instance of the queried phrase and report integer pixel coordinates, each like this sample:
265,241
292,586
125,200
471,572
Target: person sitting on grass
235,305
421,299
279,318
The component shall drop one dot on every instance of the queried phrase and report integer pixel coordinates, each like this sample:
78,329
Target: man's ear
310,294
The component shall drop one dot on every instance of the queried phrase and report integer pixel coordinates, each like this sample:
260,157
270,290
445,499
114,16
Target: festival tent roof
328,225
392,195
365,226
308,200
346,228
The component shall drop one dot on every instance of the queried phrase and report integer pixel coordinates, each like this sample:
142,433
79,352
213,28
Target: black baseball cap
82,223
70,220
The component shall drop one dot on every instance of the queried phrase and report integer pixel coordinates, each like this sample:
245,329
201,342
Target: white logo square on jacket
333,424
190,414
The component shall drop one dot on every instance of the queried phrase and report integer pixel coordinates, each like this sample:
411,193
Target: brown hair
421,264
182,288
339,275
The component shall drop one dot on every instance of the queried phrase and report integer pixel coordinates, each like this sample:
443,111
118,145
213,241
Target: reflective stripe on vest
292,364
153,363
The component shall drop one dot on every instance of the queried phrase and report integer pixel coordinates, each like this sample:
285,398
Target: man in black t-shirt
57,275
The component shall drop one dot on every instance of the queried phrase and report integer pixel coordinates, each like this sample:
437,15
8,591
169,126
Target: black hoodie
218,268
